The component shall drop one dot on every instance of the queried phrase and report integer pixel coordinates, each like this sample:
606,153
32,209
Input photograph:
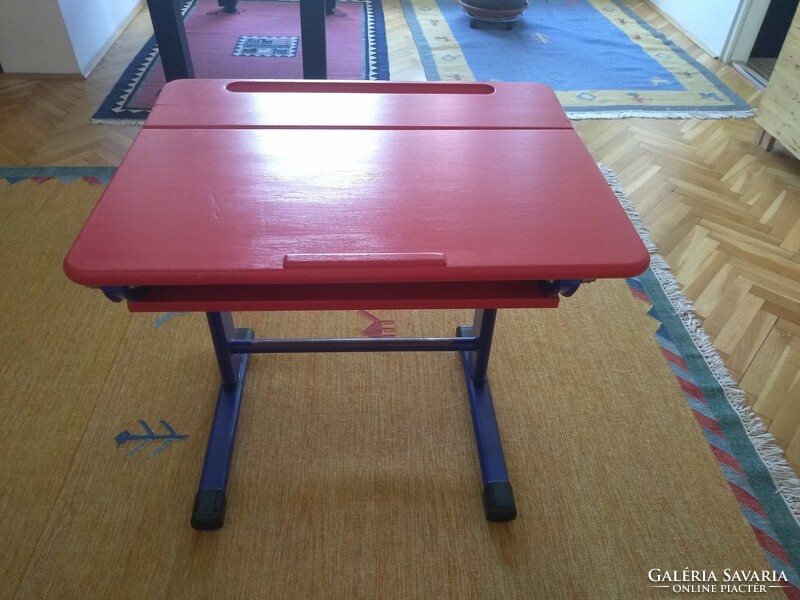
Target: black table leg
312,37
228,6
171,38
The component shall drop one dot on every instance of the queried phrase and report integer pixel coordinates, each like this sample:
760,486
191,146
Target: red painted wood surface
222,207
403,196
356,104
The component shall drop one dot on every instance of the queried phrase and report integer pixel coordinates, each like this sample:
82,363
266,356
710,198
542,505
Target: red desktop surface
234,218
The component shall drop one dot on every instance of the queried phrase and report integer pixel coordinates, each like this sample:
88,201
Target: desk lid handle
365,259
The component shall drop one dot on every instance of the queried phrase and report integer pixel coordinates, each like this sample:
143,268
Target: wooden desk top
251,206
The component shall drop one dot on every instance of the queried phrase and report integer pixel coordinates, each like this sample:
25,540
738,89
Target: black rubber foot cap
498,501
209,510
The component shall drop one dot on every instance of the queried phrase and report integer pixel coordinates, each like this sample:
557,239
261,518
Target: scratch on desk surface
215,207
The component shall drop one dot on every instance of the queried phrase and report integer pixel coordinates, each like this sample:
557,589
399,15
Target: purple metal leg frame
498,497
210,501
233,347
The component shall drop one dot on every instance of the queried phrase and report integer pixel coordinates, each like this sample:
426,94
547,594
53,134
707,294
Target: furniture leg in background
171,38
174,52
765,140
312,38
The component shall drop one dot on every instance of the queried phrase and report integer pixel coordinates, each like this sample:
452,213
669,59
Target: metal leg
498,497
209,503
312,39
234,346
170,34
483,329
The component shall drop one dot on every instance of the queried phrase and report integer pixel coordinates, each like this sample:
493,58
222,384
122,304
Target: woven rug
633,457
260,41
602,59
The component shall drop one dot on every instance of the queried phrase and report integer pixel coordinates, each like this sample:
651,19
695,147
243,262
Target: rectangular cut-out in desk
215,103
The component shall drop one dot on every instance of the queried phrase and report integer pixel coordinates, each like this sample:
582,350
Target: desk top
252,206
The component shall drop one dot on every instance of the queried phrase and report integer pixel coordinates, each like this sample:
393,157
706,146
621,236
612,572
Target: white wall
93,24
709,22
34,38
59,36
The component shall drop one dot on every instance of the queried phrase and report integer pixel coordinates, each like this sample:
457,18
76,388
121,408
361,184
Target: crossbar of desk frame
254,346
233,347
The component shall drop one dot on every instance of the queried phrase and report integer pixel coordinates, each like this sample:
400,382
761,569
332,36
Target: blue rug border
372,18
381,43
424,49
737,103
64,174
758,474
106,111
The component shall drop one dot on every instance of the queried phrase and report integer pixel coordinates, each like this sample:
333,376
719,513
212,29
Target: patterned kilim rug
638,470
260,41
602,59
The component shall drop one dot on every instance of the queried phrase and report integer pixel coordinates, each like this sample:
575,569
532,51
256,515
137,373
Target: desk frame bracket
234,346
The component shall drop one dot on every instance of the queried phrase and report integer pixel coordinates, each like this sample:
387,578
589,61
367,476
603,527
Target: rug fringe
786,482
642,114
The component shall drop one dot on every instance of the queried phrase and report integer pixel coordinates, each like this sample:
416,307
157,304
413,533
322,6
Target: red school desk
320,195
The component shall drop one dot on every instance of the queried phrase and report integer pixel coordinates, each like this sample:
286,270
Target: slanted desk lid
283,206
206,103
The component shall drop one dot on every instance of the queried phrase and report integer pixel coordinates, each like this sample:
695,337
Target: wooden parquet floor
724,213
